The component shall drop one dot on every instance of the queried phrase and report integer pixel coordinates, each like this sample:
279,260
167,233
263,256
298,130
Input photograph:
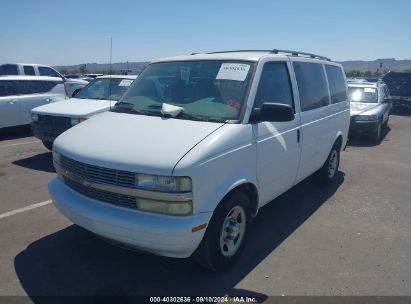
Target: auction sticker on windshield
233,71
125,83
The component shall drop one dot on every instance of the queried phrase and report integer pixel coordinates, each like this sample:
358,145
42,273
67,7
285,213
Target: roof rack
276,51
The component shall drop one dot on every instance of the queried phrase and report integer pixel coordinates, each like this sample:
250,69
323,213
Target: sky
55,32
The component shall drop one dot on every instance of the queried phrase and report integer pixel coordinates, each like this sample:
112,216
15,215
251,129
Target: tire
326,174
376,135
385,125
226,233
48,145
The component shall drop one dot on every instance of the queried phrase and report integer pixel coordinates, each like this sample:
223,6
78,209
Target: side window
9,69
28,70
45,71
31,87
7,88
336,83
312,85
48,85
275,85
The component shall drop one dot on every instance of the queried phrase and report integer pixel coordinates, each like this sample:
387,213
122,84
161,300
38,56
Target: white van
197,145
50,120
20,94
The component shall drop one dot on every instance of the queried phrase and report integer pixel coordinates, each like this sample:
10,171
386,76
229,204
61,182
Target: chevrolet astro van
197,145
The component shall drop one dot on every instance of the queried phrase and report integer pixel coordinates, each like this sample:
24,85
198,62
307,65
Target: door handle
48,100
13,101
298,135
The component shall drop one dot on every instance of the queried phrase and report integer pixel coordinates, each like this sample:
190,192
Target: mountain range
389,64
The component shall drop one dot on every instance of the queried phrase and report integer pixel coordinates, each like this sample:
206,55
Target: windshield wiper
186,115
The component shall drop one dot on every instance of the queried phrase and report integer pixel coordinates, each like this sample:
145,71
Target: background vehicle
90,75
49,121
399,84
197,145
20,94
370,108
71,85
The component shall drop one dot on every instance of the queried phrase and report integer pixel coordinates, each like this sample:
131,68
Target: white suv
72,86
197,145
20,94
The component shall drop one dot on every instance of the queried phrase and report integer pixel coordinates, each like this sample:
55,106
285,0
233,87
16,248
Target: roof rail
276,51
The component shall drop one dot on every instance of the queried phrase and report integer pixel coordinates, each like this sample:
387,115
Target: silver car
370,108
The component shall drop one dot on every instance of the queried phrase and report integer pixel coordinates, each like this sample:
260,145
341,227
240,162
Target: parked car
19,94
399,84
50,120
71,85
197,145
370,108
93,75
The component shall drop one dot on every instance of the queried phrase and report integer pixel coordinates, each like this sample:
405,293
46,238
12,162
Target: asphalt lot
353,238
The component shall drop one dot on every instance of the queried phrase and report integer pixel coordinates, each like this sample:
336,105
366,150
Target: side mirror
273,112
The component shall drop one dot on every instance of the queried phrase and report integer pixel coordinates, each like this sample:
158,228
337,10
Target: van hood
130,142
357,108
74,107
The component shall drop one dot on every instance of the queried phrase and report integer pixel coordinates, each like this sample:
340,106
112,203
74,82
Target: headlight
34,117
56,156
366,117
170,208
76,121
163,183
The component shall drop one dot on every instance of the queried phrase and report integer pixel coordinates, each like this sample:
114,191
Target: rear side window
48,85
274,86
7,88
45,71
8,69
28,70
31,87
312,85
337,83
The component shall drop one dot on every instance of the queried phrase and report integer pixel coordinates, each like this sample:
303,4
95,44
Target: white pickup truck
50,120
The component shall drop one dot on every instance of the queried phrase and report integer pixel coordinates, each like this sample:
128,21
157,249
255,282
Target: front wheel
376,136
327,173
226,233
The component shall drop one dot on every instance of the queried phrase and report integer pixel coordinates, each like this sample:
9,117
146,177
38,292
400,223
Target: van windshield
362,94
100,89
203,90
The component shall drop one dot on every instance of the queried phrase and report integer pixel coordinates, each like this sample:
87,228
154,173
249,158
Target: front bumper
359,127
47,133
158,234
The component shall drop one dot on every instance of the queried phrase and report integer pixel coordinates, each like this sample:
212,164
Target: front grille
100,195
55,121
98,174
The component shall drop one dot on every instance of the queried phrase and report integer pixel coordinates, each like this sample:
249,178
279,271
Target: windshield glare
212,90
100,89
361,94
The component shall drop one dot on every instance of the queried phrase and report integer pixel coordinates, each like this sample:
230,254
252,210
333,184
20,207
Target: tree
368,74
63,71
353,73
